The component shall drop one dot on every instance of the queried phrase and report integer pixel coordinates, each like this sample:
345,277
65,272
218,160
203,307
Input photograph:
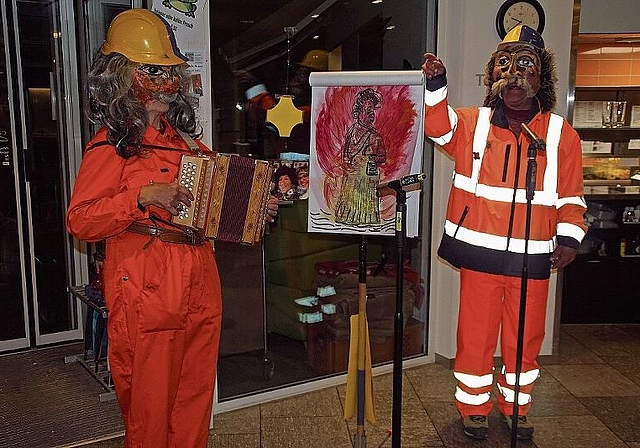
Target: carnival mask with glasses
155,82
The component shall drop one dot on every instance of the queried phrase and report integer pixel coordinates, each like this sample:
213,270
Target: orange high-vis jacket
486,213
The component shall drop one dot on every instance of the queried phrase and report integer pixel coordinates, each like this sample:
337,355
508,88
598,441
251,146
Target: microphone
403,181
537,141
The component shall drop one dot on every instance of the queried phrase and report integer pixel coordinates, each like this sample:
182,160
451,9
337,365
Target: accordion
230,196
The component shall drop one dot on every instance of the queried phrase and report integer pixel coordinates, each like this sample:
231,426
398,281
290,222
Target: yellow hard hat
316,59
141,36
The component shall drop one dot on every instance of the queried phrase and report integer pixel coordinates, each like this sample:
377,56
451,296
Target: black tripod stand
536,144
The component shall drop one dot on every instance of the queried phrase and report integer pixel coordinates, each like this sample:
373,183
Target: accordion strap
193,146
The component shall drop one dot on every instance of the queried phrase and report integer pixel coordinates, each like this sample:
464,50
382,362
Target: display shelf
623,134
596,286
612,196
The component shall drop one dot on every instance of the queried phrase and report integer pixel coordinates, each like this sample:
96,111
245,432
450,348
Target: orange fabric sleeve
99,206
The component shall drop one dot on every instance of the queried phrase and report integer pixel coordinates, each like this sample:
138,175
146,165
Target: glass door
14,331
38,122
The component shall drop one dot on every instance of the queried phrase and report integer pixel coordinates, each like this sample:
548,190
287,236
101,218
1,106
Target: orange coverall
164,299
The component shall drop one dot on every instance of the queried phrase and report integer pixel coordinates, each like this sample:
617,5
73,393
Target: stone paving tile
242,421
234,441
308,432
325,402
620,414
599,380
432,382
629,366
551,398
572,351
574,432
607,340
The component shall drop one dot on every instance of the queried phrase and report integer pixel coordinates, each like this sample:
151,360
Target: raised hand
432,66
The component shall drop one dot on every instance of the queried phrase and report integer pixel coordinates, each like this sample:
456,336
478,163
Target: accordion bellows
231,194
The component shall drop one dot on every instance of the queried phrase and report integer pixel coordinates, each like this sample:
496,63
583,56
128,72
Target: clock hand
519,21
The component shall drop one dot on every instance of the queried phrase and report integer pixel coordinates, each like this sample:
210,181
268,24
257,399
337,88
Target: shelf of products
611,155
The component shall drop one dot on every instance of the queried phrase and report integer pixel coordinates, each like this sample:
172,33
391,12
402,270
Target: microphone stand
398,326
398,186
534,146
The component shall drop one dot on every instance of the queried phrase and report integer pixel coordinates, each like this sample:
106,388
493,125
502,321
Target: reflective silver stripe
433,98
497,242
453,123
503,194
574,200
446,138
474,381
509,395
525,377
480,143
570,230
550,180
474,400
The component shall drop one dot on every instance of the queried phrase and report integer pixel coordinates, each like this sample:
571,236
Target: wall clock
516,12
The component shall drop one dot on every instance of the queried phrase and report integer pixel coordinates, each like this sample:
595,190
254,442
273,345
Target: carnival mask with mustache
154,82
516,66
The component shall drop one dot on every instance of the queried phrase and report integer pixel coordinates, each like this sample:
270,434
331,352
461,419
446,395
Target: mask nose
513,68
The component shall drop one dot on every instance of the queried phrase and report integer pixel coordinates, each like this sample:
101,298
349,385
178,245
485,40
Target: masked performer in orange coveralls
161,282
486,216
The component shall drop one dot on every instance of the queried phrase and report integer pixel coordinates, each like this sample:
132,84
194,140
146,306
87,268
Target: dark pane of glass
12,303
40,64
268,339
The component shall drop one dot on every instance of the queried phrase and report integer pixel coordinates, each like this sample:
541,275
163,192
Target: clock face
519,12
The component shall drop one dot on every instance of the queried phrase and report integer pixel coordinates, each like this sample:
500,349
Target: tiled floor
587,397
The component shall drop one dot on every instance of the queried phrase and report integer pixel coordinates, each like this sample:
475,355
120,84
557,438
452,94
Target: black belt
187,236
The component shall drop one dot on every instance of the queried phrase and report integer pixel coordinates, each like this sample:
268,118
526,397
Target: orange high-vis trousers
489,307
164,304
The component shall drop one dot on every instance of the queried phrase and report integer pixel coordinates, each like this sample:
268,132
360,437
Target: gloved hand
246,79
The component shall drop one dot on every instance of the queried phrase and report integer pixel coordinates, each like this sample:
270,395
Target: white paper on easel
353,151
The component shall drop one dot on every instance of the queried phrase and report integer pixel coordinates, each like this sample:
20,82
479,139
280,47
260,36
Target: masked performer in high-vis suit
484,232
161,283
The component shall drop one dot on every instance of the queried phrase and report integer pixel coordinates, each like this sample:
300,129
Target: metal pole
396,415
360,438
530,189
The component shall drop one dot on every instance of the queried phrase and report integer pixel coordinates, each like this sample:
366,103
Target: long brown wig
113,104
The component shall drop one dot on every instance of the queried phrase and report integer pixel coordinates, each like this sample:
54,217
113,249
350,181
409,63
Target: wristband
254,91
